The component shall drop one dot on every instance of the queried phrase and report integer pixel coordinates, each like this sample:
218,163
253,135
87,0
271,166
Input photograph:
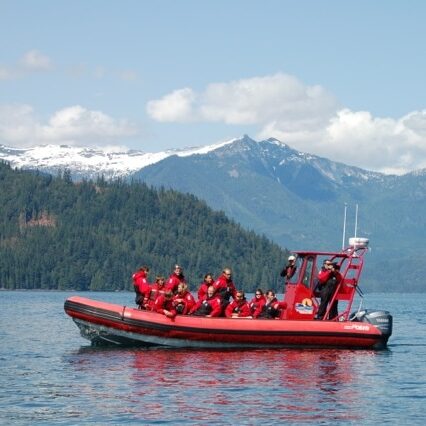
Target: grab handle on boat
122,313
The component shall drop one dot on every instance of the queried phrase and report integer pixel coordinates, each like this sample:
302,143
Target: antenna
344,228
356,219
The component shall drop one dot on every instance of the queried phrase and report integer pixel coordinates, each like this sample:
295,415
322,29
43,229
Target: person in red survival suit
325,272
224,286
326,291
202,290
164,304
238,308
258,301
141,286
183,300
272,307
209,307
175,279
156,289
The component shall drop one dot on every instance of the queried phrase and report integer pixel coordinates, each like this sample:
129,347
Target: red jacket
327,274
154,294
173,282
211,306
183,302
202,290
225,288
163,304
324,275
142,287
257,303
239,308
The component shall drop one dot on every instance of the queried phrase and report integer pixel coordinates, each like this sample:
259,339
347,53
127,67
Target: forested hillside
55,234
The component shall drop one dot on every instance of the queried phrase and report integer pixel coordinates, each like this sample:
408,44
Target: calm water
50,375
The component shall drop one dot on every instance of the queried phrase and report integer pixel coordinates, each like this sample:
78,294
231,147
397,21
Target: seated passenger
209,307
141,286
175,279
224,286
164,304
202,290
258,301
183,300
238,308
156,289
272,307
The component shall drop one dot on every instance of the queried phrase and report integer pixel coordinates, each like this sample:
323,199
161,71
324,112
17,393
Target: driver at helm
290,269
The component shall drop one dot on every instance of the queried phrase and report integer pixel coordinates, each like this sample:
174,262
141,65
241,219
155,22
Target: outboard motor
380,319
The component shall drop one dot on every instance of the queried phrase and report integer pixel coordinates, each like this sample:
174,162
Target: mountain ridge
297,199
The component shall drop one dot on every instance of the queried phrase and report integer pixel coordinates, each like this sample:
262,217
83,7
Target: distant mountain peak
114,162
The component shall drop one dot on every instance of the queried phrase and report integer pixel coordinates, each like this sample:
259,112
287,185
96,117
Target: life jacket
269,311
204,309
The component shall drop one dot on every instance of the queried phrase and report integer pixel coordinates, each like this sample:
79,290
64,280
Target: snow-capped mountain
91,162
84,162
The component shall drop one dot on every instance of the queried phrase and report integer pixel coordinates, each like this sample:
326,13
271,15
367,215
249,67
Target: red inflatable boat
103,322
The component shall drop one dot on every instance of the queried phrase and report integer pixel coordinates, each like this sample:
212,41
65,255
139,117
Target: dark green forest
92,235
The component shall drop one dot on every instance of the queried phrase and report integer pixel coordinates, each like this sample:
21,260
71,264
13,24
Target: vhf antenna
356,219
344,228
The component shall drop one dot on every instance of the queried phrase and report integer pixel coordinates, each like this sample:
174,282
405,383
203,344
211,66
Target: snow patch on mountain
118,162
111,162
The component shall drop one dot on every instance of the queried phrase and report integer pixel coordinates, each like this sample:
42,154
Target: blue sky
340,79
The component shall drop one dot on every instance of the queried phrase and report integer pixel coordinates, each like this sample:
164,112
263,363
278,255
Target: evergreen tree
56,234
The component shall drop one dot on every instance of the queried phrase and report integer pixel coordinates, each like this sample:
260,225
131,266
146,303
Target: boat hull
105,323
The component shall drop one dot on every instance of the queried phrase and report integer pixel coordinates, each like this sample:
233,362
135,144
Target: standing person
183,300
333,278
258,301
175,279
238,308
323,276
290,269
141,286
272,307
202,290
224,286
209,307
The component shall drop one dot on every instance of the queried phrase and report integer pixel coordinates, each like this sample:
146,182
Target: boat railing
346,289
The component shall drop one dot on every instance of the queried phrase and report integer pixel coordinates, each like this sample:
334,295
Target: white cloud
36,61
308,118
31,61
6,73
128,75
74,125
251,101
175,107
357,138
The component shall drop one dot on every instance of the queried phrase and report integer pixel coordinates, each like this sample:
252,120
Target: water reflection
197,386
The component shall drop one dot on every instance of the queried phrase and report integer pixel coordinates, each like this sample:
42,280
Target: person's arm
195,307
217,308
245,311
229,309
189,302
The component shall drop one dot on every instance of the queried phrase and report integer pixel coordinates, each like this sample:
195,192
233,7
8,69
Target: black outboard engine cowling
380,319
